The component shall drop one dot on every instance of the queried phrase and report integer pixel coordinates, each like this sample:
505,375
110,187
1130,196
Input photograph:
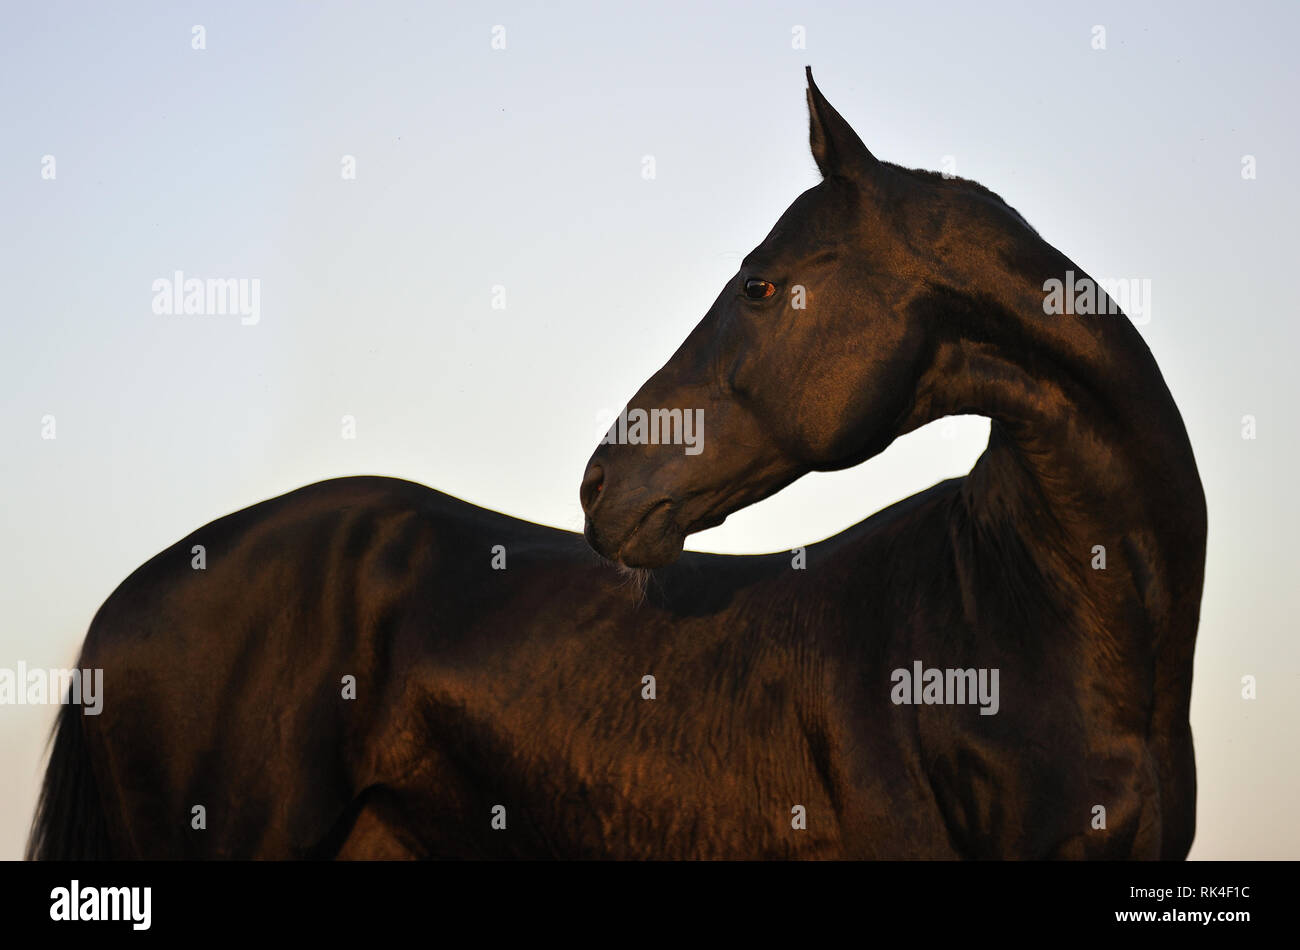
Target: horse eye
756,289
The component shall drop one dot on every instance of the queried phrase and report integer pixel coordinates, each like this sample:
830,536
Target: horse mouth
654,540
657,537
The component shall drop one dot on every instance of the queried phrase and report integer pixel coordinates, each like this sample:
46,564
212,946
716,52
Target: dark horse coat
369,668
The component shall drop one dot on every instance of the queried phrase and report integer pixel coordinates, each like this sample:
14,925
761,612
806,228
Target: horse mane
965,184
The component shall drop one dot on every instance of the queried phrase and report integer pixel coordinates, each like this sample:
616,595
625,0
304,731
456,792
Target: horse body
523,687
506,712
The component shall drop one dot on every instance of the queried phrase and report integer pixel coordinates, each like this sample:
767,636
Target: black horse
369,668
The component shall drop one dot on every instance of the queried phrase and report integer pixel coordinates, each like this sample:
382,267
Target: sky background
522,168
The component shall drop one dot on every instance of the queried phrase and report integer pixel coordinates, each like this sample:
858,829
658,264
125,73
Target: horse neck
1087,450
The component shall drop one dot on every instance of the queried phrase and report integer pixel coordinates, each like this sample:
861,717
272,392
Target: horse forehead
815,221
792,241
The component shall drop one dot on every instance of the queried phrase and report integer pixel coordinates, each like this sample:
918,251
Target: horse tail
69,824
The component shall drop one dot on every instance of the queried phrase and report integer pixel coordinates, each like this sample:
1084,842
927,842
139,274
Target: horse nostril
592,483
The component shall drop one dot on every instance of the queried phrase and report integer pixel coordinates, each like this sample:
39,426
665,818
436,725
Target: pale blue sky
522,168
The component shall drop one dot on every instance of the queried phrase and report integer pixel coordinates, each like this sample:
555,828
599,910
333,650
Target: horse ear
835,146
